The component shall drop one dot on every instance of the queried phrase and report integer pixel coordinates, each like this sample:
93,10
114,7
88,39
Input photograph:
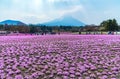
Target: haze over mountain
65,21
12,22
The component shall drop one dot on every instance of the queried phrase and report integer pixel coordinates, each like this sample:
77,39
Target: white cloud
90,11
71,10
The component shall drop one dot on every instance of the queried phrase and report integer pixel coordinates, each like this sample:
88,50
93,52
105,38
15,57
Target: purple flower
18,77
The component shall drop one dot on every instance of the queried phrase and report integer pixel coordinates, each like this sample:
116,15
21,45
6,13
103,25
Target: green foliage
1,27
110,25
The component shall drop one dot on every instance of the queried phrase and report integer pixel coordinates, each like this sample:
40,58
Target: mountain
65,21
12,22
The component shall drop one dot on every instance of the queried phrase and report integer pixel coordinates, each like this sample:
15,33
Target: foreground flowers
60,57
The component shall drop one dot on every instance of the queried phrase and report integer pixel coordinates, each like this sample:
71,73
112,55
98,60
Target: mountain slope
65,21
12,22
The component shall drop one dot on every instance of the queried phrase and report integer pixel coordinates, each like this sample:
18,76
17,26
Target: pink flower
18,77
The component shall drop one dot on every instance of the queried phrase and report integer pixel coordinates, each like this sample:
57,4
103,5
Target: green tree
115,24
110,25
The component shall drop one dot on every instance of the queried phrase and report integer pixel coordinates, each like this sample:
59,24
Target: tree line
107,25
42,29
110,25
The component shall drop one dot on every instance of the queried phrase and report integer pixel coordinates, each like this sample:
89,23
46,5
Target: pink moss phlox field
60,57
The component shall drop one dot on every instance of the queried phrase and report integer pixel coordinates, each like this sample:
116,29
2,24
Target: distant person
109,32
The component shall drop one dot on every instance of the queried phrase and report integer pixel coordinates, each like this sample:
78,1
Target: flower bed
60,57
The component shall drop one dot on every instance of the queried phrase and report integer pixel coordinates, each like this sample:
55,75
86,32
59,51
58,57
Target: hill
12,22
65,21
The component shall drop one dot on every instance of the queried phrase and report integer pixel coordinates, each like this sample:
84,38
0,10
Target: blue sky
38,11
